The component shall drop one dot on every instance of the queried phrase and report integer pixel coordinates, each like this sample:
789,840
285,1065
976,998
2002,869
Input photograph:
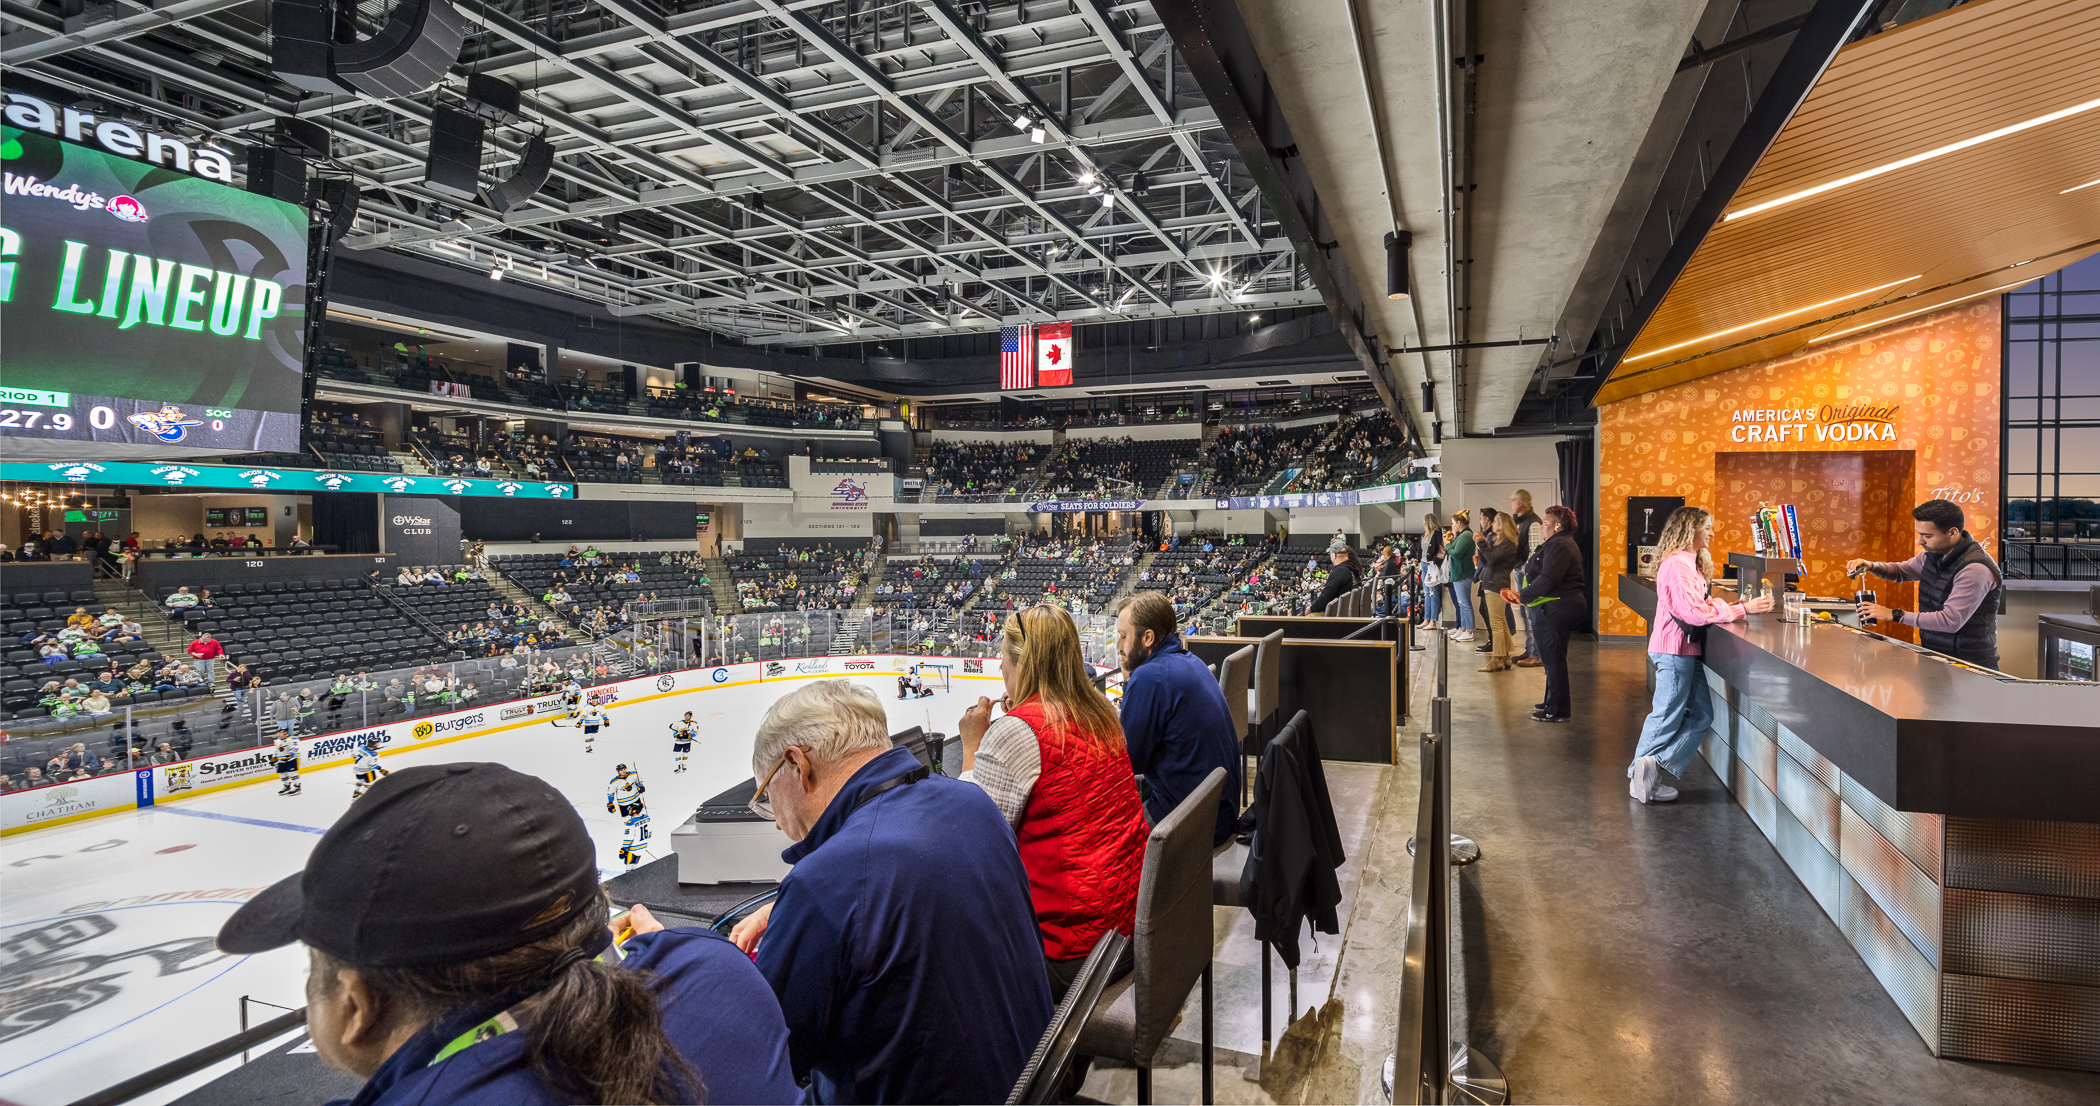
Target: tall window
2052,424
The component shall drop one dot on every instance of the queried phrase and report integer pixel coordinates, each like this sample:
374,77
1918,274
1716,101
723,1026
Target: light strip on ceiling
1919,311
2075,188
1767,319
1952,147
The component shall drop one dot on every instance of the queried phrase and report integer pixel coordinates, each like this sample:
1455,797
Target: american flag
1017,357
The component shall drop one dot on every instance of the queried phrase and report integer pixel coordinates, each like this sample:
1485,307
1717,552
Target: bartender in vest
1957,587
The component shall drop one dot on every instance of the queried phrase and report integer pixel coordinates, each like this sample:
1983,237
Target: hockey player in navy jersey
681,740
623,796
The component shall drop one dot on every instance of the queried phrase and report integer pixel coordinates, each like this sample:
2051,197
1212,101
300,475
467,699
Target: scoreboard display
141,304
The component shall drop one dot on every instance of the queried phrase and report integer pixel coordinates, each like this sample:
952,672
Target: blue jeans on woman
1432,602
1682,713
1462,592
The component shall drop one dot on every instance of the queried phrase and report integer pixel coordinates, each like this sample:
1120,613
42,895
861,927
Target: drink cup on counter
1794,608
1865,596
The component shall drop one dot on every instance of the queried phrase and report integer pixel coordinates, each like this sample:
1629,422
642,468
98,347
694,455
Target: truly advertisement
141,305
537,707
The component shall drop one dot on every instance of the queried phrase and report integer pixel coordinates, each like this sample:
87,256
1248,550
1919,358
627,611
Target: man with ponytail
1056,766
459,952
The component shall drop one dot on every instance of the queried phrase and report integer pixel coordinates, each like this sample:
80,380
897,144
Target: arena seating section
24,673
297,630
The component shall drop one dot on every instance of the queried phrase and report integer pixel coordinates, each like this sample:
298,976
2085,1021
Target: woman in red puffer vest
1056,767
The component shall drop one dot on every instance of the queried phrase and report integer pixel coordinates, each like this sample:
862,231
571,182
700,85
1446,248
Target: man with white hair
903,945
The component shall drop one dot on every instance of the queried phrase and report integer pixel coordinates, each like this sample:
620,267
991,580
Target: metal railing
2051,560
1432,1061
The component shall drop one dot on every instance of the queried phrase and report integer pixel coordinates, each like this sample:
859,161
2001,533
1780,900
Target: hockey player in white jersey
571,701
364,766
681,740
623,796
286,758
589,721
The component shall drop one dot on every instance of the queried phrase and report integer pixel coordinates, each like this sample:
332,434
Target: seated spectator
96,702
1056,766
181,599
53,652
79,619
902,980
83,758
164,754
406,577
1175,719
472,972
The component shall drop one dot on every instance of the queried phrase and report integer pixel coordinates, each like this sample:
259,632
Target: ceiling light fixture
496,273
1919,311
1905,163
1022,122
1767,319
2075,188
1036,136
1108,199
1396,247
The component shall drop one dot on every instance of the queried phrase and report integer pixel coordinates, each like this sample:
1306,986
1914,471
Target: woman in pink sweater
1684,607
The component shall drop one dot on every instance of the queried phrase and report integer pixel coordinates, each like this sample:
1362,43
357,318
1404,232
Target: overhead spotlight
1036,136
1022,122
1094,191
1108,199
496,273
1254,318
1139,185
1088,178
1396,246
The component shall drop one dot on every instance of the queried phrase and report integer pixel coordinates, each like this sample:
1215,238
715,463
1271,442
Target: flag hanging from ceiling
1017,357
1053,355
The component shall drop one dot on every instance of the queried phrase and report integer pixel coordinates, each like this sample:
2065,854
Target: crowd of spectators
1088,465
982,468
84,637
821,577
1242,462
1361,448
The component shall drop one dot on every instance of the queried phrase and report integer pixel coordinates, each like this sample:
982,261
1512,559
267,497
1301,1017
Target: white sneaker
1664,793
1644,773
1462,635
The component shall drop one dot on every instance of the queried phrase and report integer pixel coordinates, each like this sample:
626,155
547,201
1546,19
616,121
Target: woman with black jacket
1556,590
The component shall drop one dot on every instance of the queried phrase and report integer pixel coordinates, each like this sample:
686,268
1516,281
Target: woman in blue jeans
1458,566
1684,607
1432,554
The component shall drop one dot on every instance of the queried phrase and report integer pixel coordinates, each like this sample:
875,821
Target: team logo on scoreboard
127,209
170,424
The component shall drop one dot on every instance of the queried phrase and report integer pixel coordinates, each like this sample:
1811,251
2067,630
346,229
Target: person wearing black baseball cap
459,952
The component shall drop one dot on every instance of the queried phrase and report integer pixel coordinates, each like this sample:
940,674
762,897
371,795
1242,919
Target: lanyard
908,778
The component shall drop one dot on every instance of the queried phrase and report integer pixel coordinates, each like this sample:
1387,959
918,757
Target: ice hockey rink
107,967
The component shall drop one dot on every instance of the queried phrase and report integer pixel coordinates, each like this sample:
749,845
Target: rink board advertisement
23,811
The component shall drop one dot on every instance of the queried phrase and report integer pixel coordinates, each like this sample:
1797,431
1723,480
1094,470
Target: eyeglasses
760,804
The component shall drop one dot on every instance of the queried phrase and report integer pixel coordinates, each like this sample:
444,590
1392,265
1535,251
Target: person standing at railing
1684,608
1459,569
1556,590
1498,556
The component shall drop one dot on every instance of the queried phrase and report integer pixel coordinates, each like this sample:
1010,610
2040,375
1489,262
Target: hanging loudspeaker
409,55
453,167
534,167
277,172
299,44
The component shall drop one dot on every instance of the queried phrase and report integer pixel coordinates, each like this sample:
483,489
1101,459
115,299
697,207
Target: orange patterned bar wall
1925,392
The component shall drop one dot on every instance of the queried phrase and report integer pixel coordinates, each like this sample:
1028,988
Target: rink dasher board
64,803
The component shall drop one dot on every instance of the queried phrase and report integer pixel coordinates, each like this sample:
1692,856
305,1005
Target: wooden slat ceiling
1948,228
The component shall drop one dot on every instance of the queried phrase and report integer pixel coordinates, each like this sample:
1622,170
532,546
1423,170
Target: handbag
1433,574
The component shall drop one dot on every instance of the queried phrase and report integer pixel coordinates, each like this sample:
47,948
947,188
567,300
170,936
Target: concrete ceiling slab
1566,93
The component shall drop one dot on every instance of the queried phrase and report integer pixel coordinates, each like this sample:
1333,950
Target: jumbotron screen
142,306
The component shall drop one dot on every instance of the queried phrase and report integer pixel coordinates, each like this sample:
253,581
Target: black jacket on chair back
1295,845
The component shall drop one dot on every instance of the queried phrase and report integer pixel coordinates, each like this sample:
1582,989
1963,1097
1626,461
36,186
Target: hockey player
903,687
286,757
623,796
681,740
589,721
364,765
571,699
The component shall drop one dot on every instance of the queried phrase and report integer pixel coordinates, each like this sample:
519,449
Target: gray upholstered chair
1264,699
1334,608
1045,1071
1235,677
1173,939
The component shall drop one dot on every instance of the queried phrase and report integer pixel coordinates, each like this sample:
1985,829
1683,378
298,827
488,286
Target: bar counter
1946,819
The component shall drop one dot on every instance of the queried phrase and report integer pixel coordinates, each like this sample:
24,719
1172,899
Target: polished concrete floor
1617,953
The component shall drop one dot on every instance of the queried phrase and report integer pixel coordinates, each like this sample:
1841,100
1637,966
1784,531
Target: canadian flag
1053,355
